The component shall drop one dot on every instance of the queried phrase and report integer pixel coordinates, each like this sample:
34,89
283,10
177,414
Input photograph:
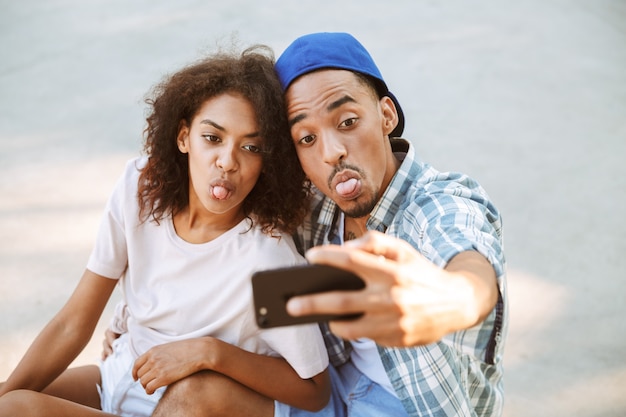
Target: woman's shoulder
135,165
276,248
125,189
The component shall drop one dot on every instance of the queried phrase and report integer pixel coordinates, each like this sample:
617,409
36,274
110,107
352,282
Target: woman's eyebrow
212,123
222,129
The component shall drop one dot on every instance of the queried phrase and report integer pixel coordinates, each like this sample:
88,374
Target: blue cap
317,51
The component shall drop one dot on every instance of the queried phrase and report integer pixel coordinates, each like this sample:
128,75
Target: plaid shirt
441,215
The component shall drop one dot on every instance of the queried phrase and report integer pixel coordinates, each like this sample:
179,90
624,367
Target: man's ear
182,140
389,113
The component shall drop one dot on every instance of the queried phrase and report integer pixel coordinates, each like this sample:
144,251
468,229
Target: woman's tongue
219,192
347,188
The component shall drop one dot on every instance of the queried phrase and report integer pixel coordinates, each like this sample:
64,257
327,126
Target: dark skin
341,132
227,147
340,128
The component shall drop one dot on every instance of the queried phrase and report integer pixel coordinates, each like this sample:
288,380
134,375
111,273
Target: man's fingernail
310,254
293,307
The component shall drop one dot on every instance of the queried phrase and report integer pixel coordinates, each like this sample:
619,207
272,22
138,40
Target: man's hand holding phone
272,289
407,300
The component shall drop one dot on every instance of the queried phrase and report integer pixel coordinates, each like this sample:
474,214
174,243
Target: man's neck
354,228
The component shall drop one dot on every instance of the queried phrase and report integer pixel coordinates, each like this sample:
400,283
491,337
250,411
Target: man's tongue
220,193
346,188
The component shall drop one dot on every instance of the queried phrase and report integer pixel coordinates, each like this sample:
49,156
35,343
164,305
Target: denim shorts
353,394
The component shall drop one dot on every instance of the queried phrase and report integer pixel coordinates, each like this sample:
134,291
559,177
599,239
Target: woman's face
224,149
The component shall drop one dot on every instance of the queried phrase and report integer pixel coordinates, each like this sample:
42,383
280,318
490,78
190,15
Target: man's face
340,128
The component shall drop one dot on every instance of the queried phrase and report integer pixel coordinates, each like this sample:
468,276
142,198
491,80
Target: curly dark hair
279,200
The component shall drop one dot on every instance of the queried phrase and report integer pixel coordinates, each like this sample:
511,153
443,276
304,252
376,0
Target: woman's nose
227,159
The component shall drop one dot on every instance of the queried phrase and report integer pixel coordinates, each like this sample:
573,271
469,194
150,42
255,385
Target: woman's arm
64,337
269,376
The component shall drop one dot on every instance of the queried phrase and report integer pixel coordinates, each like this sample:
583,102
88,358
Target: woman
213,200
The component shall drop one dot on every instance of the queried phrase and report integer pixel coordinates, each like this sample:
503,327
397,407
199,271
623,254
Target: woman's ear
390,115
182,140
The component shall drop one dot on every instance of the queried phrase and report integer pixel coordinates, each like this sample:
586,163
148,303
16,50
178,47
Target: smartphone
273,288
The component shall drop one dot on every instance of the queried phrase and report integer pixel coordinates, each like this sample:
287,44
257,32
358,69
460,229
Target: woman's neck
194,226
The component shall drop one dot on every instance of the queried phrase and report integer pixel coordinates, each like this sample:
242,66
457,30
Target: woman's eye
349,122
211,138
253,148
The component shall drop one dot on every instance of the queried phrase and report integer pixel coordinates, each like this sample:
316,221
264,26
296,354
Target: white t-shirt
364,355
175,290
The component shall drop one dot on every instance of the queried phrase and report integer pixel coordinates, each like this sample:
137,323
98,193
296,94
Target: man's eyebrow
338,103
297,119
332,106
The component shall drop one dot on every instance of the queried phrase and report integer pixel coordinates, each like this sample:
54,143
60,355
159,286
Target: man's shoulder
426,183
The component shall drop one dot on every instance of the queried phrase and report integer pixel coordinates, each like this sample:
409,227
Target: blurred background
527,97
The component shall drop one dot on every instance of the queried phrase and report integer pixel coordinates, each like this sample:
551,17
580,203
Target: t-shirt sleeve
109,256
302,346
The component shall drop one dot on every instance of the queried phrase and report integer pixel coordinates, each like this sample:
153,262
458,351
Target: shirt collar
387,206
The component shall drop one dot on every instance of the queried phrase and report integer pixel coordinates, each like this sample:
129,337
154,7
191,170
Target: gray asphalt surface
528,97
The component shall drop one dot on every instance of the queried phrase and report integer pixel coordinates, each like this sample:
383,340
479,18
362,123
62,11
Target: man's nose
333,148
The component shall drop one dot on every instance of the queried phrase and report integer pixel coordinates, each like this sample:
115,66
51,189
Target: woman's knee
211,393
20,403
205,385
199,391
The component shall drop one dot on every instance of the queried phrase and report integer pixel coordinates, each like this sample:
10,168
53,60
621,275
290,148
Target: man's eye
349,122
307,139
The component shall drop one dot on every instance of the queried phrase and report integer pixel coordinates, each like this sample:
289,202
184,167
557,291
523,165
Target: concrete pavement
528,97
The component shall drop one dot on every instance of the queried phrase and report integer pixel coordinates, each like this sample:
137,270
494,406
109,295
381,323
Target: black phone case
272,288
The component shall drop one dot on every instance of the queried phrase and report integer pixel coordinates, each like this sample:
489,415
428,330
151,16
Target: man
428,245
434,303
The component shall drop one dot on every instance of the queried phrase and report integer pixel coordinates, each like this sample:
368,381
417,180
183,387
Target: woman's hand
107,344
170,362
